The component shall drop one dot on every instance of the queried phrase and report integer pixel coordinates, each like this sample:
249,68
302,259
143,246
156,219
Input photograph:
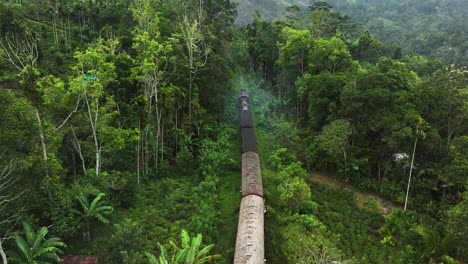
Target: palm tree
36,249
435,246
190,253
96,209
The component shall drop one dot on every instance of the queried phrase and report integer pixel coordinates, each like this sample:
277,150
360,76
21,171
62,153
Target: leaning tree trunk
411,170
2,253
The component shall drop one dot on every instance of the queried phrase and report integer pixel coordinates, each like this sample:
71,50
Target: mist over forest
433,27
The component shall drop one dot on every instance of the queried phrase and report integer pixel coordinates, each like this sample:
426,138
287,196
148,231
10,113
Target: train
250,245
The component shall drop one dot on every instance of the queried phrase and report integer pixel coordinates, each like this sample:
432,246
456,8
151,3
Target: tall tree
95,72
367,48
335,138
418,133
448,88
197,50
155,66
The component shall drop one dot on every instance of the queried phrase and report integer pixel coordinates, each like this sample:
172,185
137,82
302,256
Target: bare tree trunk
298,107
190,96
162,141
146,150
77,146
43,143
378,165
74,165
345,161
2,253
93,122
138,154
411,170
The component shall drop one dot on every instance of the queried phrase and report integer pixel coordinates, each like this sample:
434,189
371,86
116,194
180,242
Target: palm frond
30,233
45,250
205,250
190,257
92,207
22,245
163,260
37,248
152,259
84,202
185,239
39,237
105,209
180,256
207,258
164,254
101,218
196,242
53,242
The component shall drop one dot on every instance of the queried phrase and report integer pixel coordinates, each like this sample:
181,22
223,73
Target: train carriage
248,140
246,119
251,176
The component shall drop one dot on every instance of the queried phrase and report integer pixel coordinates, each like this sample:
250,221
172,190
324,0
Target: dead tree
7,221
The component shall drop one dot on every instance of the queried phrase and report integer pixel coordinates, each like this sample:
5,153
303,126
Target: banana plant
436,247
190,253
97,209
35,248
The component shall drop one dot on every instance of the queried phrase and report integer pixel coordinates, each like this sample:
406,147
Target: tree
367,48
454,174
97,209
320,92
155,65
20,52
448,88
128,236
189,253
335,137
296,48
330,55
302,246
197,51
294,193
419,133
95,73
36,248
325,23
380,103
456,220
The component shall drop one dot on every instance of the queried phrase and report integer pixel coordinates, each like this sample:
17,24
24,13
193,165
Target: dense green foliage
35,248
368,114
434,28
119,119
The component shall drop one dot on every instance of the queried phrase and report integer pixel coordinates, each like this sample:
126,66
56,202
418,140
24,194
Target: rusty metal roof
79,260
